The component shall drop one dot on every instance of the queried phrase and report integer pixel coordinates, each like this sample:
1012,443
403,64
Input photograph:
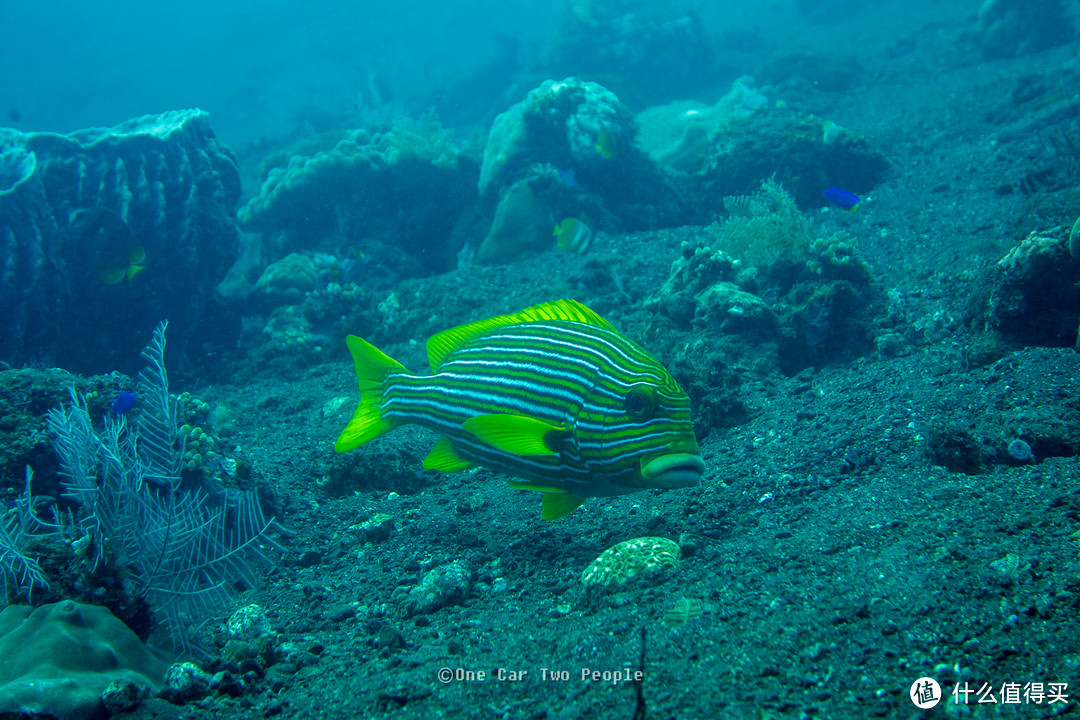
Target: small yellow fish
607,144
573,235
107,244
830,132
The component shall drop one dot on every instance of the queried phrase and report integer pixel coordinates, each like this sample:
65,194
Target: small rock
186,681
122,695
442,586
309,558
377,529
248,623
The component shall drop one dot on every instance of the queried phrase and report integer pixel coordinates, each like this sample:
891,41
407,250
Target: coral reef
286,281
651,51
1007,28
1032,295
61,659
574,143
401,189
130,224
20,572
791,148
183,549
767,275
679,135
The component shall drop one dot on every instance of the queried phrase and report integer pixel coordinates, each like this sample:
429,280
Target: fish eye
641,402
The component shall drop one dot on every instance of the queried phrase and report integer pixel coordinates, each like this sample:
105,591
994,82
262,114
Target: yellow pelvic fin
444,458
557,505
516,434
526,485
372,367
557,502
441,345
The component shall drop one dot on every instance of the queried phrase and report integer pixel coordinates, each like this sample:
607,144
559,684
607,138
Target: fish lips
674,470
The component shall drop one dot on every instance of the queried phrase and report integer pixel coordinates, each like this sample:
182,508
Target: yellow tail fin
372,367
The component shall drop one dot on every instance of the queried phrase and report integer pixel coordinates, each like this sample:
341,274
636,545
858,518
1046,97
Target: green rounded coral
645,559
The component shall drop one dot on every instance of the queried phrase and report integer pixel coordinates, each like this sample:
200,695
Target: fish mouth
674,470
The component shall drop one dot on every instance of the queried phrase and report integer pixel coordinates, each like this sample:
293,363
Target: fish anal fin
444,458
516,434
557,505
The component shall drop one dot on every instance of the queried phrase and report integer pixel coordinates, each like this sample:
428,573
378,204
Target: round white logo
925,693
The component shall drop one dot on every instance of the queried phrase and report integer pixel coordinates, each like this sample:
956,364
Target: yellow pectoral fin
516,434
444,458
559,504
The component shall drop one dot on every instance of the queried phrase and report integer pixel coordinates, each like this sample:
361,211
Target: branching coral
184,549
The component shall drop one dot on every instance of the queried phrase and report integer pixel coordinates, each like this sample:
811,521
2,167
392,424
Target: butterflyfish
552,395
573,235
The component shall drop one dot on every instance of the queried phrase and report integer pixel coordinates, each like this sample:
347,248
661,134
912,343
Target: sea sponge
59,660
522,225
644,560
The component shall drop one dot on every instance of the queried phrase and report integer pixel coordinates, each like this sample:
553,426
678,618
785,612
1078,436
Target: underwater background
827,252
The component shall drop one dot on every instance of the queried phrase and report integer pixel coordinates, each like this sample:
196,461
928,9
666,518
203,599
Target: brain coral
644,559
59,659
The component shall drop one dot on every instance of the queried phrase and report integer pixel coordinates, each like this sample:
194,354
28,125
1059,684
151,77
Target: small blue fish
842,199
566,177
123,403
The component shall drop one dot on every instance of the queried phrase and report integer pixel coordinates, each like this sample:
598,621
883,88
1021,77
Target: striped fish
553,395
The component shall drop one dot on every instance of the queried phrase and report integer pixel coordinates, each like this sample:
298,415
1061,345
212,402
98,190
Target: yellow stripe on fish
553,394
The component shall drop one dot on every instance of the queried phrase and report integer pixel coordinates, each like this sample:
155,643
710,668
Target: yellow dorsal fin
440,345
444,458
557,505
516,434
372,366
